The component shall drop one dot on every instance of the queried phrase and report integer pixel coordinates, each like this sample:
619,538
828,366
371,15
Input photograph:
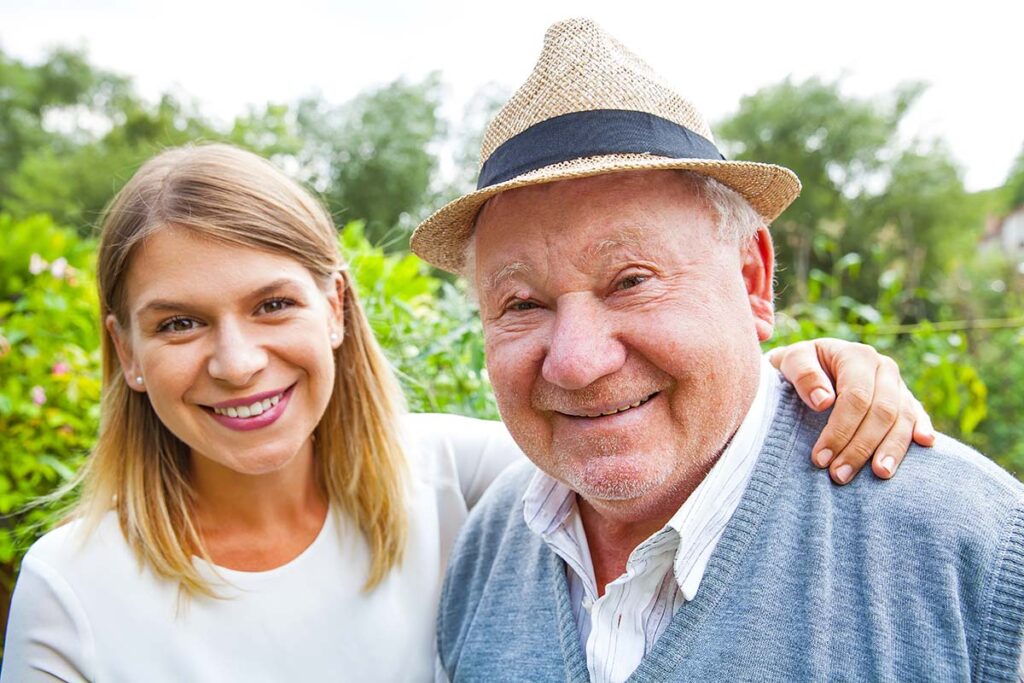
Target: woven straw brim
441,239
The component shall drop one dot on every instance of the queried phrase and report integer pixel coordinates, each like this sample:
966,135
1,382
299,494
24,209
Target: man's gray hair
735,219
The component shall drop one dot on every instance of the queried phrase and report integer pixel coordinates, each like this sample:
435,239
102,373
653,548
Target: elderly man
671,528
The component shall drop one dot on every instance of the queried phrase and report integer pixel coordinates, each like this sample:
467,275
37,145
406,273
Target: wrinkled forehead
587,224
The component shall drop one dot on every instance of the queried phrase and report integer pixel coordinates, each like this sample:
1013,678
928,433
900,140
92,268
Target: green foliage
1015,183
429,329
950,371
375,156
49,369
36,99
924,223
834,143
880,247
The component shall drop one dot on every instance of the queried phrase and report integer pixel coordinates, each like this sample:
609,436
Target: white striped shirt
619,628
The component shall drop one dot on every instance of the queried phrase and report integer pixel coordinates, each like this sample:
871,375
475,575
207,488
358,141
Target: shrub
49,371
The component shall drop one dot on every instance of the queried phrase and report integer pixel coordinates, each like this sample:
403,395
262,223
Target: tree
924,223
1015,183
45,106
73,180
835,144
372,157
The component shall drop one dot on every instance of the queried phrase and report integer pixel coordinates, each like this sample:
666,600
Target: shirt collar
550,510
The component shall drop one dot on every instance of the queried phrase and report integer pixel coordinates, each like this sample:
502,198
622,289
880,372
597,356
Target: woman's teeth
257,408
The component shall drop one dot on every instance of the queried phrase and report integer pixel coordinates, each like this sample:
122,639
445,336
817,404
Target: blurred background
902,121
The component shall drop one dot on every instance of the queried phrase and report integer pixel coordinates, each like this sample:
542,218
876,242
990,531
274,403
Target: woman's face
234,346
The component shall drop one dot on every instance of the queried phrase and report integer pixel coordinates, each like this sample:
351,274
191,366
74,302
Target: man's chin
613,478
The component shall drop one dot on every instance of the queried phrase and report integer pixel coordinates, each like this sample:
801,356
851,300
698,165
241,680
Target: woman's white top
84,610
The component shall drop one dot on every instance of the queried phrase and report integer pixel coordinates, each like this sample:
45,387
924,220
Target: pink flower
60,368
59,267
37,264
38,395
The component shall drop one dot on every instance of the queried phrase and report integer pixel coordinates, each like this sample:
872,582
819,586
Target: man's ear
758,257
129,369
336,299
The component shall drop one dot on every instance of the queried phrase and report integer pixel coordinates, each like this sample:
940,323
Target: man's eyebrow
628,239
506,272
165,305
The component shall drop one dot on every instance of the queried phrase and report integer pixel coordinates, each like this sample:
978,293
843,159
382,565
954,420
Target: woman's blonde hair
139,468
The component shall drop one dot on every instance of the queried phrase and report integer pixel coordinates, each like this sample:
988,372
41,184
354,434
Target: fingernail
823,458
843,473
819,396
889,464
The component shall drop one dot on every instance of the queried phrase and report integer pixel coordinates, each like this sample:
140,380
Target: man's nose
583,346
238,355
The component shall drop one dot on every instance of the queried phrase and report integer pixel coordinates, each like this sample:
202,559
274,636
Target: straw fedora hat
589,107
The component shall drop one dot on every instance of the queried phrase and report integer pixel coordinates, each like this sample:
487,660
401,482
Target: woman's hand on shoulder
875,416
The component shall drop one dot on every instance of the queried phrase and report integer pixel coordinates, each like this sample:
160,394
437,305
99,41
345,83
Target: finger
800,365
880,419
855,367
924,431
890,453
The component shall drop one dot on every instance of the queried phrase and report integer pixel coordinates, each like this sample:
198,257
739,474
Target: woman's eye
274,305
178,325
630,281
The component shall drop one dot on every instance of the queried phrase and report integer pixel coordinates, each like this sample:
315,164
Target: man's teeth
257,408
619,410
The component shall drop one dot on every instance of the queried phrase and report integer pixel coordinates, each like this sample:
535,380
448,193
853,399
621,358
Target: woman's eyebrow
274,286
165,305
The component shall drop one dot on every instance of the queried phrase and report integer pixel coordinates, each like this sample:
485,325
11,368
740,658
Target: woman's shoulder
455,439
462,452
442,430
78,546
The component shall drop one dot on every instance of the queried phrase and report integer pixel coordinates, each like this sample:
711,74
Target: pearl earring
138,380
334,337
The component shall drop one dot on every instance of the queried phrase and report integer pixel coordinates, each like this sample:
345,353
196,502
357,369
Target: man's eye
178,325
275,305
522,305
631,281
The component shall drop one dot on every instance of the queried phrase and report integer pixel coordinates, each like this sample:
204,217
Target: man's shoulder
948,494
496,600
501,506
495,528
950,475
953,471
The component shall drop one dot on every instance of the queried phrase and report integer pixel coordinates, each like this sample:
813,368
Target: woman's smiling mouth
252,412
256,408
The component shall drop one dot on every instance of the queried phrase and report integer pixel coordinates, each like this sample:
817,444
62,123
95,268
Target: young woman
258,506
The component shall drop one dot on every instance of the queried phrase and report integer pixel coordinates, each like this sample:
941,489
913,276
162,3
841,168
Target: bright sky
228,55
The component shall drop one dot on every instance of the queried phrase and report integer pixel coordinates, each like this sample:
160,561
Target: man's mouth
612,411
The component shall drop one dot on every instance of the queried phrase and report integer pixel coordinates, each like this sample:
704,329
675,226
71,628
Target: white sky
228,55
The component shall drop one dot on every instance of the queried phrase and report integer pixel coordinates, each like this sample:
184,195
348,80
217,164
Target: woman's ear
336,299
132,374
